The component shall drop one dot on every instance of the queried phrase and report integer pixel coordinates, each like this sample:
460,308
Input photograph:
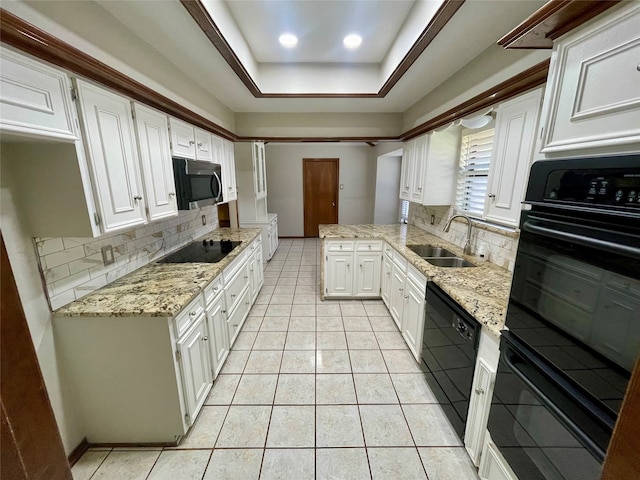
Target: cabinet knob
172,194
233,295
479,391
205,338
348,265
369,246
360,266
492,195
419,189
399,289
235,325
230,188
245,277
191,142
137,197
340,247
406,297
192,314
199,144
224,311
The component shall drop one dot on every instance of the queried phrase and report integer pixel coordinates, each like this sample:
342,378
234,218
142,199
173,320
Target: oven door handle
565,232
507,355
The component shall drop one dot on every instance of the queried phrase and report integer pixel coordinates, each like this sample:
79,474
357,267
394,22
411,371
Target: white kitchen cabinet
35,98
183,139
237,314
112,155
251,177
195,364
259,169
269,234
592,104
429,168
204,148
339,275
514,140
396,298
493,466
367,276
413,316
228,170
352,268
219,343
385,280
272,231
155,157
256,278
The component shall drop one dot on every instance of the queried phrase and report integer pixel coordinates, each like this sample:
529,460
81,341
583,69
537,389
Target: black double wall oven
573,320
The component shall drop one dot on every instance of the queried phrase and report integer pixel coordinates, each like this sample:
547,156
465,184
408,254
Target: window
475,160
404,211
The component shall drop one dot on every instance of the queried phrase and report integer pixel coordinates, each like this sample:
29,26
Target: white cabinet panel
594,99
229,172
196,367
259,170
406,170
339,275
155,156
34,98
237,316
493,465
516,125
183,142
479,405
385,281
441,167
419,157
368,275
397,294
112,152
219,344
204,149
413,317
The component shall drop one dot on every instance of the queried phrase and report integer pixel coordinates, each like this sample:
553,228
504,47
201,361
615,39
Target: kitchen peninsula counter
158,289
482,291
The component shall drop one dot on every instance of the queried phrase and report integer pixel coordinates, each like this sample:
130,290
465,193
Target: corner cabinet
111,147
155,156
593,97
35,99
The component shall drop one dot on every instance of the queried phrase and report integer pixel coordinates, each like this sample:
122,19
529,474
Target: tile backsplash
72,267
501,244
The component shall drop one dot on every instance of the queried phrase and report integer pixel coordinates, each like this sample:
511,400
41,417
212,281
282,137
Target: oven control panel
614,187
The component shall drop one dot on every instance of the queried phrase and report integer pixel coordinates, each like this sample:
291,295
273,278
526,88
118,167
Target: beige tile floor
311,389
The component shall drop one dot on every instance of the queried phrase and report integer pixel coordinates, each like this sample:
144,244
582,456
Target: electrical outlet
107,255
204,219
433,219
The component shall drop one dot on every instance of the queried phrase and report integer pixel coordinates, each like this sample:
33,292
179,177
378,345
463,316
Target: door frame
305,161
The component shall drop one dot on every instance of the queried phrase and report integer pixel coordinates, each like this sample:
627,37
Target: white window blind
404,211
475,160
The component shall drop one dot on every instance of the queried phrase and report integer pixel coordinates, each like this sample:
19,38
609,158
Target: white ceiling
320,27
166,27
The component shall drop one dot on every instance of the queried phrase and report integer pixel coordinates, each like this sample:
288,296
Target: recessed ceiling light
288,40
352,41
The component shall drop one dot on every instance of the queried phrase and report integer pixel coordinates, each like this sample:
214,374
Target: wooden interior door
31,444
320,192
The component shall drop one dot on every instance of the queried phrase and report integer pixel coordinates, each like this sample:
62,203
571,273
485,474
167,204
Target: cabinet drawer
189,315
399,260
624,284
212,290
388,250
369,246
234,287
230,272
340,246
417,277
238,314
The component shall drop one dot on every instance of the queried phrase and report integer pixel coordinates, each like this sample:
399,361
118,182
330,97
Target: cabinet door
219,344
339,275
35,98
594,98
441,167
397,295
516,124
419,160
183,142
255,271
406,169
111,147
368,274
259,170
229,172
204,149
493,466
479,404
413,318
236,318
196,367
155,157
386,280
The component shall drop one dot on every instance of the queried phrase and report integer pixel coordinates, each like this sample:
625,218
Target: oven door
545,425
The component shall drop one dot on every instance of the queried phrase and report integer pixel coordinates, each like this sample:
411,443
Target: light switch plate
107,255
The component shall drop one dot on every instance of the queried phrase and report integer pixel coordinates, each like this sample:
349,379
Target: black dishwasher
449,348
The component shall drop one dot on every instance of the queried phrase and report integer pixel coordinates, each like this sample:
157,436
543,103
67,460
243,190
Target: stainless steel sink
449,262
430,251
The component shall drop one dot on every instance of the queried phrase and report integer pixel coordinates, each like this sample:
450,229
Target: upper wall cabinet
110,143
259,170
190,142
153,143
429,168
593,97
35,98
228,171
514,140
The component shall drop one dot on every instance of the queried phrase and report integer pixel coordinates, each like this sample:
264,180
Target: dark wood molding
552,20
317,139
34,448
200,15
77,452
30,39
526,80
435,26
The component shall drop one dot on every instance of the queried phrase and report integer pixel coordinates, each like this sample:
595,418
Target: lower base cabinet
219,344
269,235
493,465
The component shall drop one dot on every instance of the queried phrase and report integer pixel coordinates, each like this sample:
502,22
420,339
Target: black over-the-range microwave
198,183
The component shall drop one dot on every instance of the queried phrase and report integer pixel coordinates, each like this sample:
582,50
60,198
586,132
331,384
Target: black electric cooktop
206,251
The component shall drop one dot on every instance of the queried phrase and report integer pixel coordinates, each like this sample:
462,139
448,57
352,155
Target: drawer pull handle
233,295
480,391
192,314
235,325
137,197
205,338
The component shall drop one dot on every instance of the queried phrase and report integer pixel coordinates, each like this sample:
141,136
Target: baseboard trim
77,452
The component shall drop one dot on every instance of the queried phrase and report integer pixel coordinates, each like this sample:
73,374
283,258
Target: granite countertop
158,289
482,291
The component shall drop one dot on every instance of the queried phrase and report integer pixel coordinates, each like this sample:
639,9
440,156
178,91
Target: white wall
387,202
357,172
